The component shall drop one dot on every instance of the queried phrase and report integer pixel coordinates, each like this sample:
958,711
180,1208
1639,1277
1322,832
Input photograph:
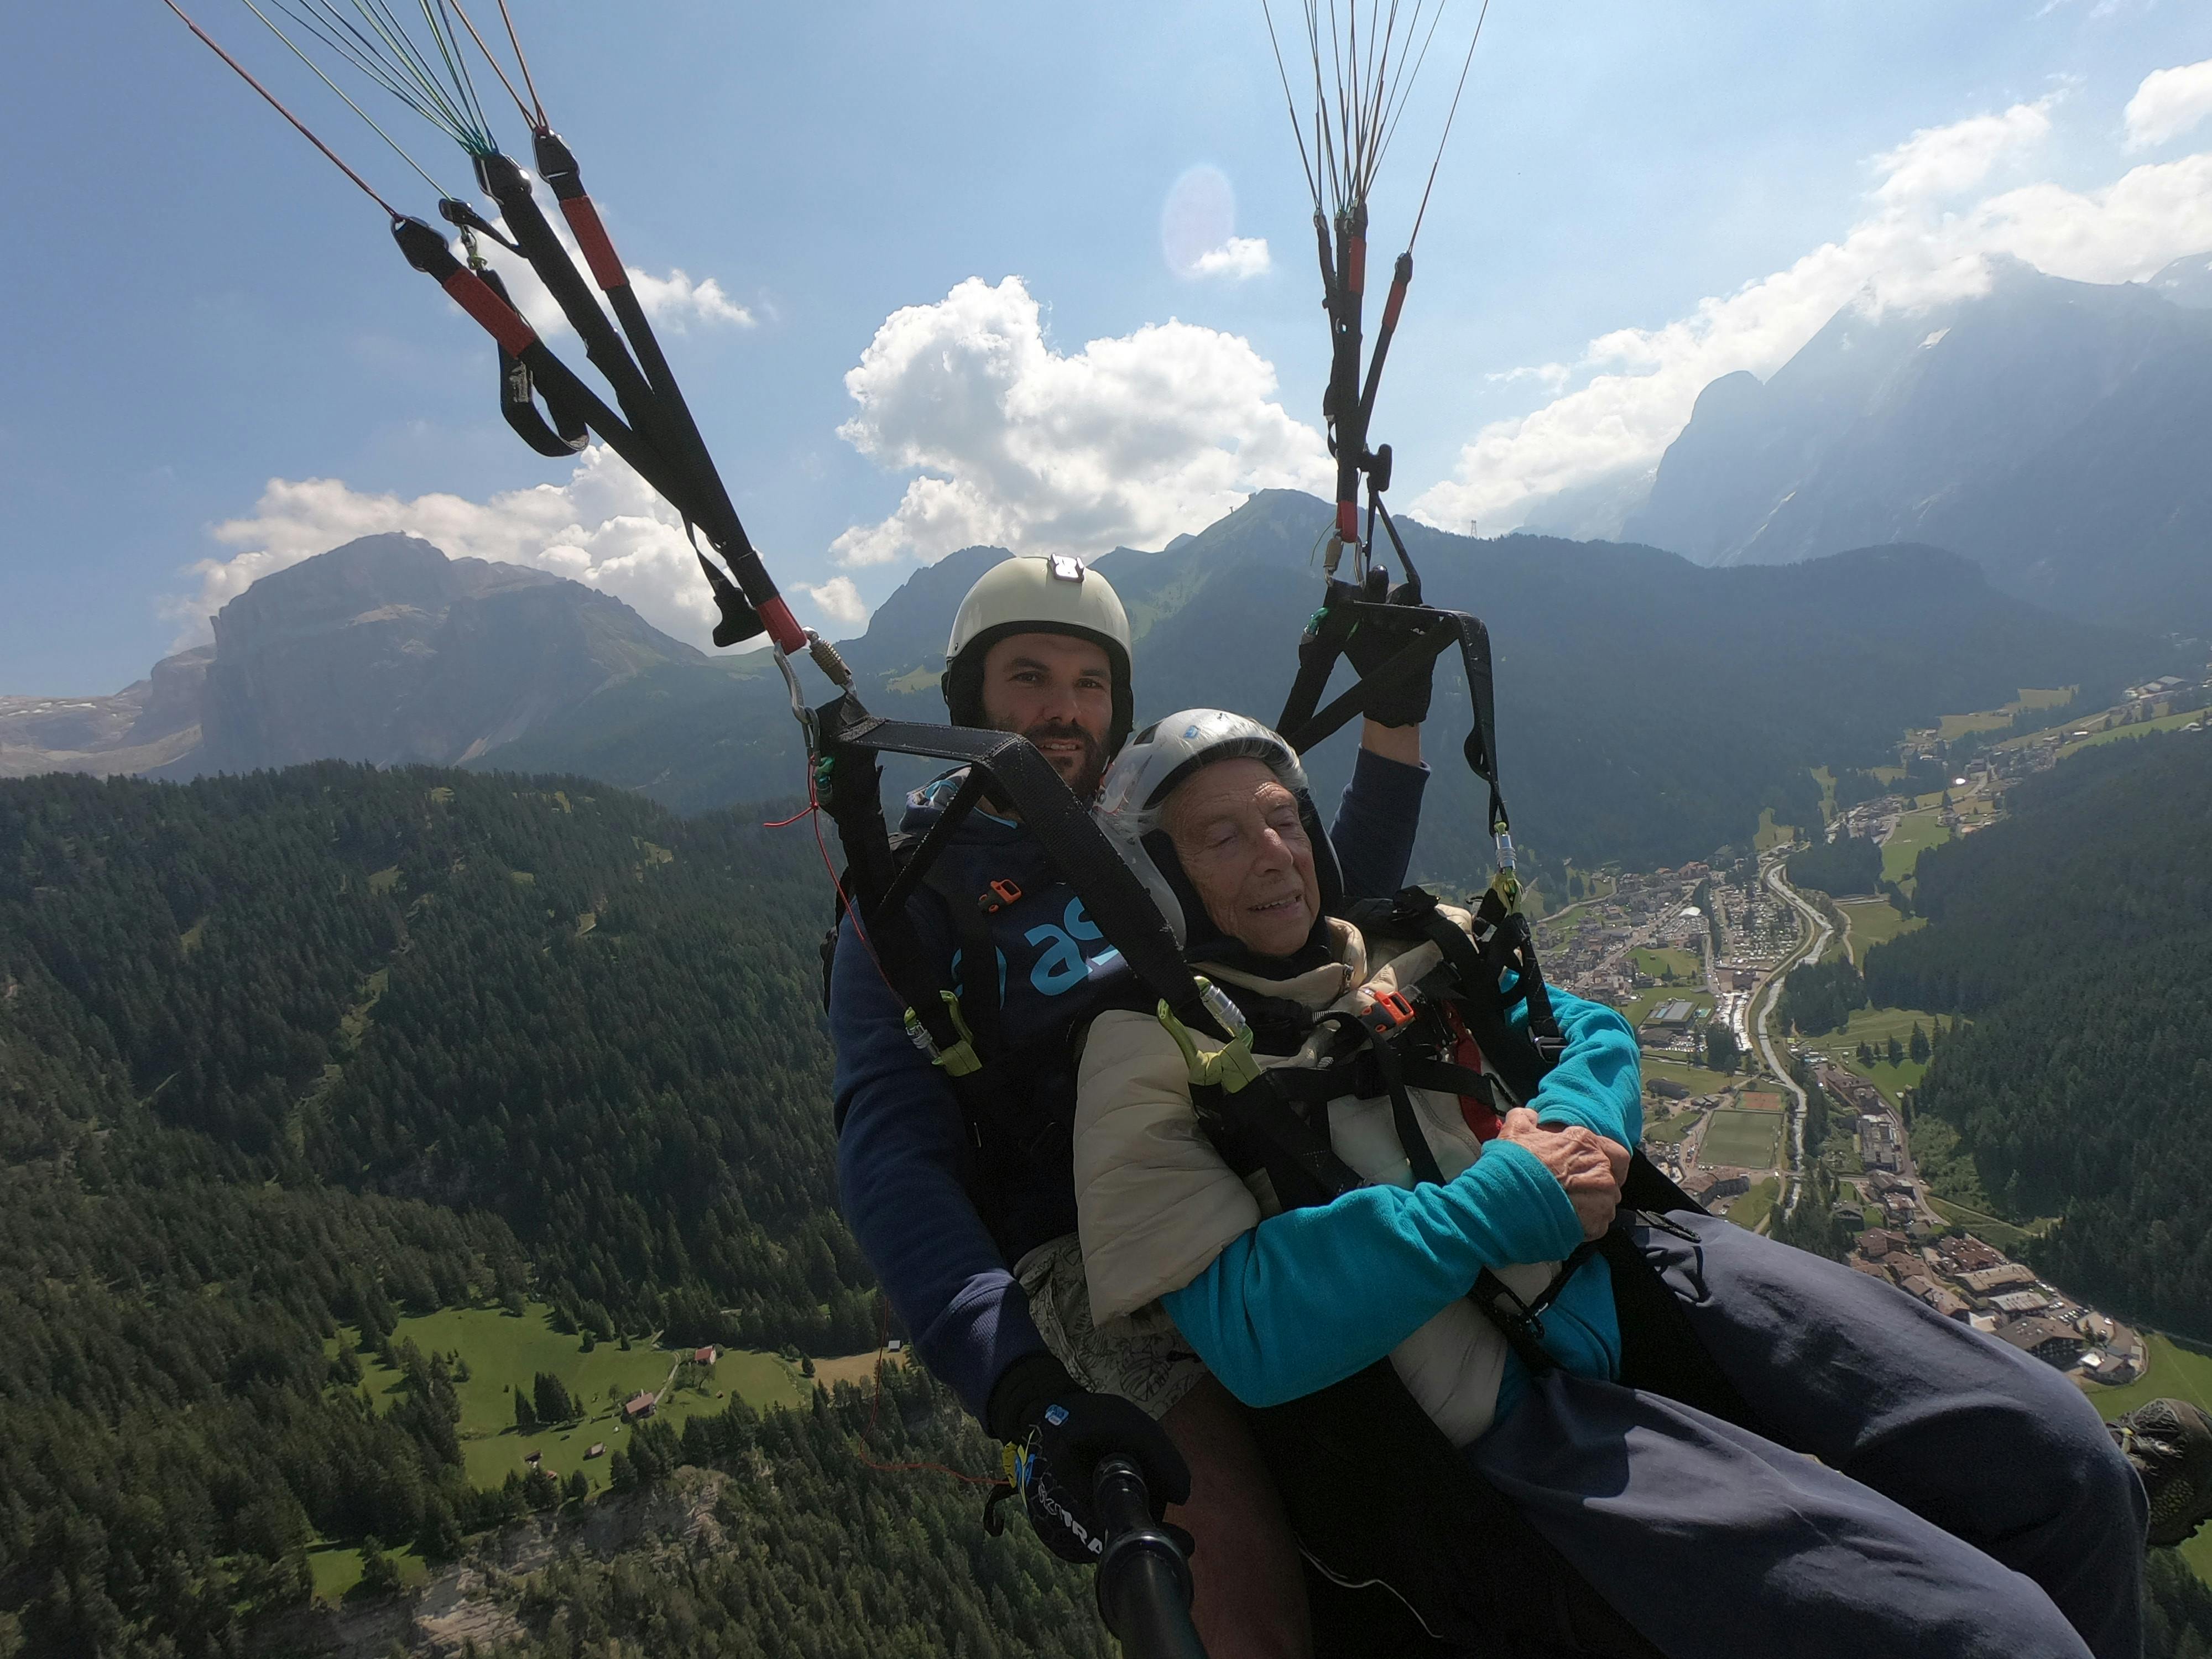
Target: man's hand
1062,1434
1589,1167
1406,703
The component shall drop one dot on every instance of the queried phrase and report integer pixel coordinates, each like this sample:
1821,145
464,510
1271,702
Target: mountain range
383,650
2058,433
1649,708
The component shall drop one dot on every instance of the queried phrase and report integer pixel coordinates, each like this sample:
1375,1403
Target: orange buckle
1389,1010
1002,893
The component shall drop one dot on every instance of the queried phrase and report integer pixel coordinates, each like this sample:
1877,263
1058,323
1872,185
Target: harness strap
1294,1150
566,433
1521,1323
1510,944
1420,1156
1432,630
979,993
1447,1077
1520,1061
923,860
1111,894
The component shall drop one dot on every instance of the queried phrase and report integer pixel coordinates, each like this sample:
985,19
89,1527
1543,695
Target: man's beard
1082,782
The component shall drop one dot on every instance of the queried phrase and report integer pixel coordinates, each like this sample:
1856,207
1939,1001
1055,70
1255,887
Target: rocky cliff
2058,433
382,650
386,650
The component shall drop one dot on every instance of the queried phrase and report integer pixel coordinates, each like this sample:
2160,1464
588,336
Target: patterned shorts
1141,1356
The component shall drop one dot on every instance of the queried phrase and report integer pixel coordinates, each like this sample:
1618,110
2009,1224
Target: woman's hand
1587,1165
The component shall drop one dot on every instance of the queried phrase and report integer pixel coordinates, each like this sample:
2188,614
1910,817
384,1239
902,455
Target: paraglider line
536,121
208,41
350,104
1291,104
1466,64
515,40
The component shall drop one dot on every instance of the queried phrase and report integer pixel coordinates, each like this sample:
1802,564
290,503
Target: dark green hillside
2078,937
819,1556
562,1008
1648,709
1847,865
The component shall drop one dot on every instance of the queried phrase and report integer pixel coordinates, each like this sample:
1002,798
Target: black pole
1144,1581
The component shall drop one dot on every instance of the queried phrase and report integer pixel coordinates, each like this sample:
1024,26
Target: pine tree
551,1399
526,1417
379,1573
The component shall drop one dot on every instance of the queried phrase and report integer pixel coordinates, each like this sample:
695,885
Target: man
946,1208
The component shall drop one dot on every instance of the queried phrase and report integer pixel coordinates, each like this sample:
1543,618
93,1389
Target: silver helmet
1165,754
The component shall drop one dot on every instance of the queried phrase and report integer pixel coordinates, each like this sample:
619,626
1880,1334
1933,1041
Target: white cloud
1239,260
604,527
673,301
1911,252
2168,103
1130,440
840,601
1939,162
1552,377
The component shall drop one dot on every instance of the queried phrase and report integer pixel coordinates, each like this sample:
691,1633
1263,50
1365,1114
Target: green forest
289,1061
2075,937
294,1051
1847,865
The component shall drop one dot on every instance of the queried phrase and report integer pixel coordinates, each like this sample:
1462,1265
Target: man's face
1057,691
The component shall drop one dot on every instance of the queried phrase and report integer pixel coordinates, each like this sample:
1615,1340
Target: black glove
1059,1435
1374,643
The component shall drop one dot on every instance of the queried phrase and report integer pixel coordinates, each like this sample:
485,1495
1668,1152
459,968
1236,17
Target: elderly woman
1897,1483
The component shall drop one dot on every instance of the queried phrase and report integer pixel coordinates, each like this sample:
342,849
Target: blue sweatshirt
941,1232
1311,1297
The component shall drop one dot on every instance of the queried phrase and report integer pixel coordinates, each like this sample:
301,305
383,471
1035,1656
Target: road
1761,1015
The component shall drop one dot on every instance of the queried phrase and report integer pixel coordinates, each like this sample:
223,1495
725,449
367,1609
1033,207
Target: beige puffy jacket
1156,1203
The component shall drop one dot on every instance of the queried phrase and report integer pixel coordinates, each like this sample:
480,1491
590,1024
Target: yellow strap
961,1059
1231,1066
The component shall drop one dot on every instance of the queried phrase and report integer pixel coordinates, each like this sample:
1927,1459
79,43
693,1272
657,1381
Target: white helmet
1164,755
1036,594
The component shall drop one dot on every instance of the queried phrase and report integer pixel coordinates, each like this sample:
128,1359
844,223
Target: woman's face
1236,831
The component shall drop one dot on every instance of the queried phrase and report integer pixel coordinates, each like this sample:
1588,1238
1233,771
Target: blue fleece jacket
941,1234
1311,1297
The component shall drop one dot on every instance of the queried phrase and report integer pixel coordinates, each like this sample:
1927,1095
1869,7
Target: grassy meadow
1670,963
1915,832
1875,1027
1749,1140
1751,1211
2172,722
1696,1079
1870,923
503,1352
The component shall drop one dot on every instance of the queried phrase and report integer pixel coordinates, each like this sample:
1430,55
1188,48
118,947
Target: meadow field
1749,1140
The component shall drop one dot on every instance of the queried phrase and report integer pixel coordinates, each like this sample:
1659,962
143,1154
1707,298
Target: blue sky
218,363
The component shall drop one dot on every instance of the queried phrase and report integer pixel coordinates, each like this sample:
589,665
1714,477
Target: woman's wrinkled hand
1587,1165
